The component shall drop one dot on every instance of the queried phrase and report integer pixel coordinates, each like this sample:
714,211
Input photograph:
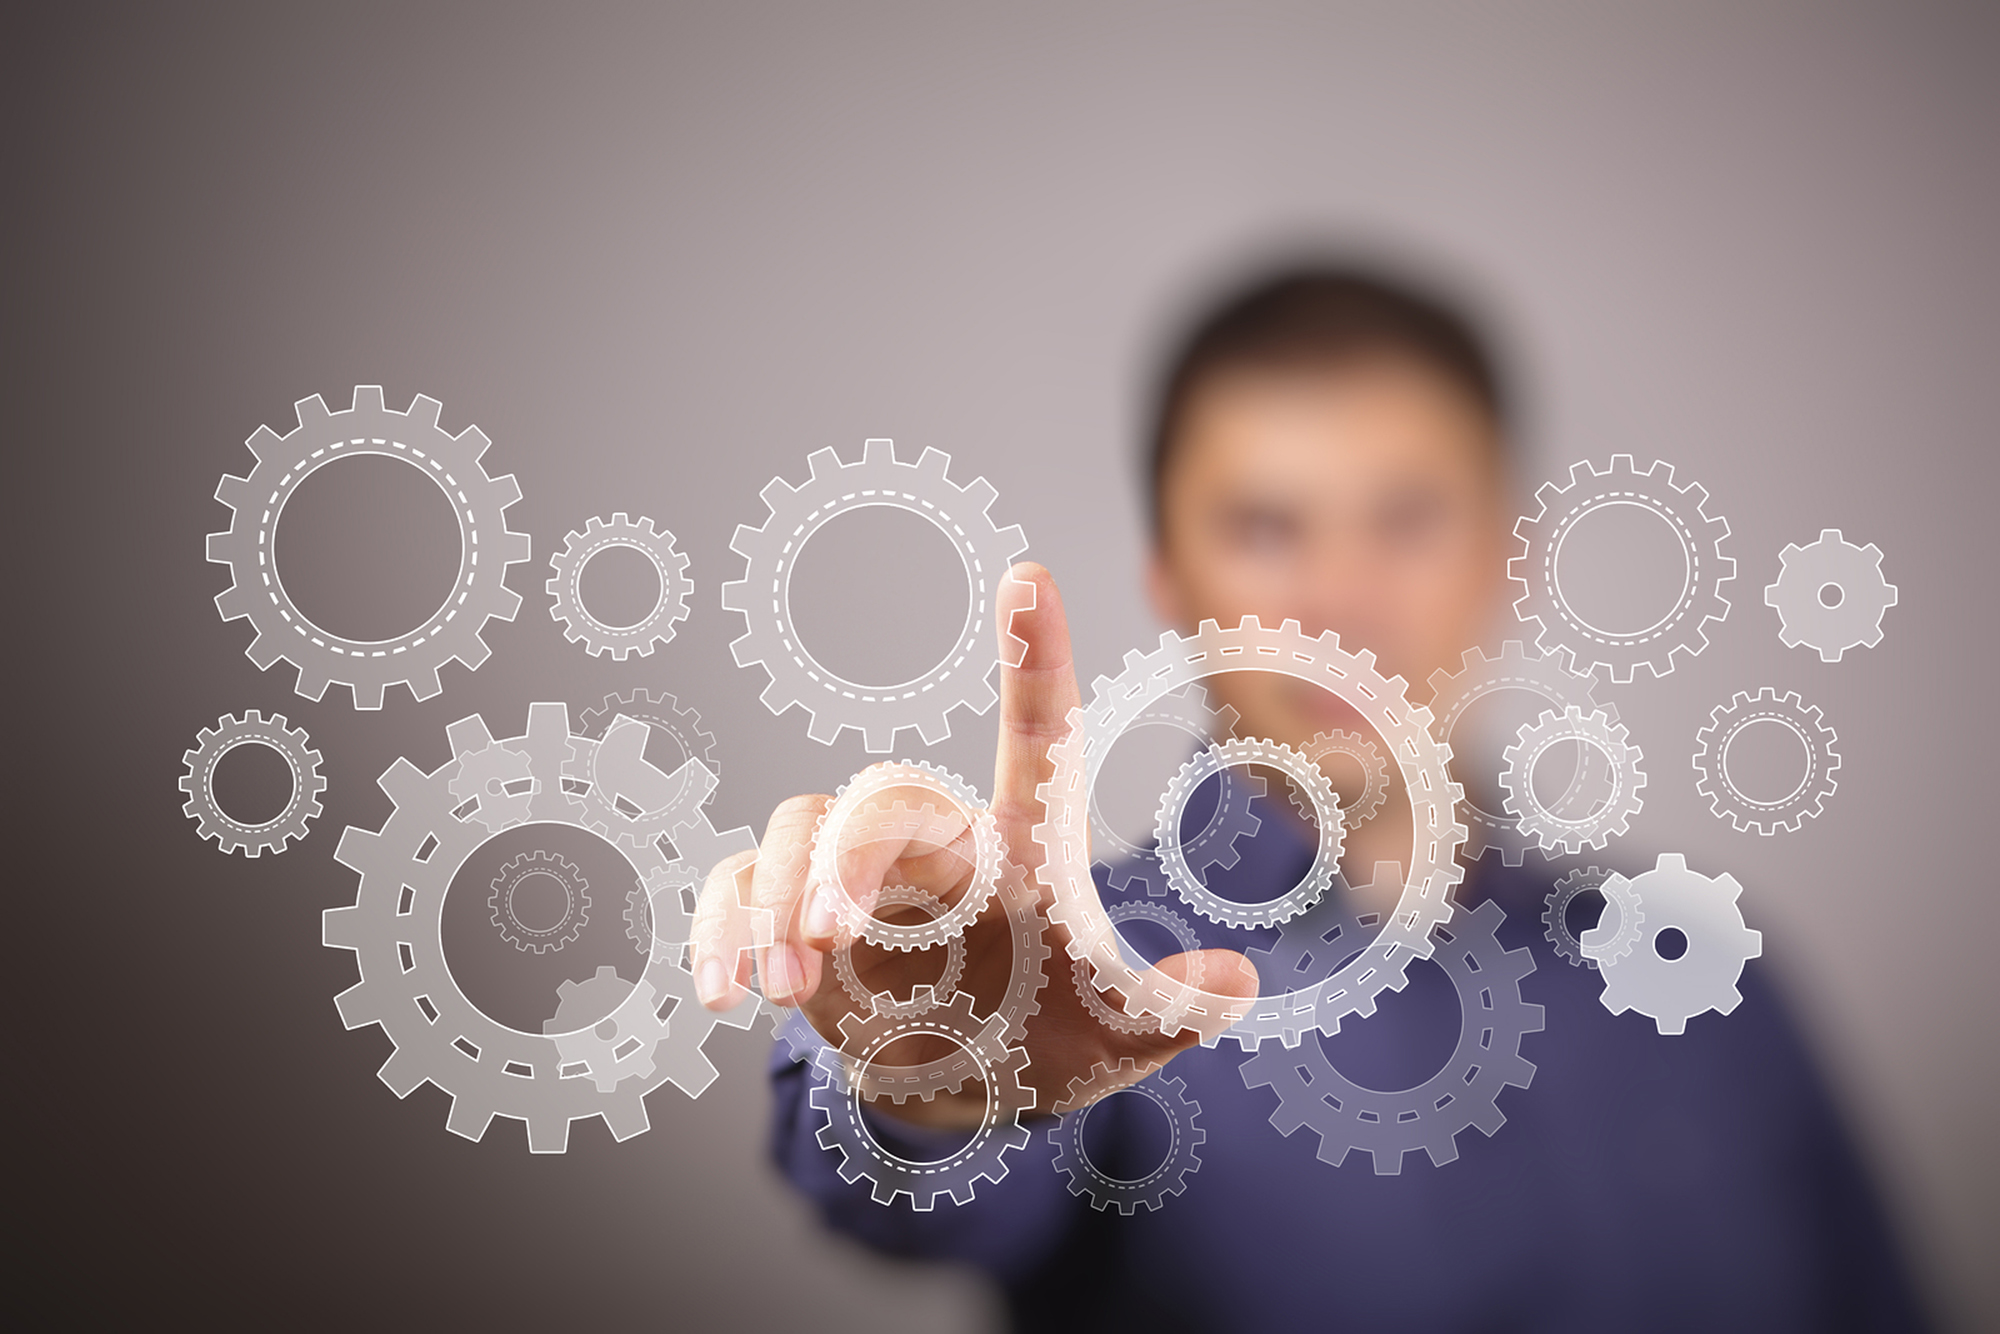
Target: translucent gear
924,995
1552,828
657,625
576,902
1555,914
624,796
406,986
1852,622
486,547
847,823
1618,928
639,918
664,714
1306,777
1126,1194
1463,1093
1684,509
1711,761
1326,964
1374,775
1177,926
1102,1081
1672,991
291,745
495,784
1179,661
763,594
982,1156
1546,675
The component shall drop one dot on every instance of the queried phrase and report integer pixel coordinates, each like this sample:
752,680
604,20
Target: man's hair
1314,317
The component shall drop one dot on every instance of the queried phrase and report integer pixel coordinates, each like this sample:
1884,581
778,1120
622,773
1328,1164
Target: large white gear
1711,761
1180,661
657,625
290,744
1546,675
1176,926
1126,1194
923,996
1374,775
395,929
1306,777
1555,912
1325,965
1705,912
487,547
763,594
1684,509
576,902
1132,863
1465,1090
1555,828
1855,619
981,1157
849,821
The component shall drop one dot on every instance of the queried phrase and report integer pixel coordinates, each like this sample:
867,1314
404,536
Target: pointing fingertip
711,983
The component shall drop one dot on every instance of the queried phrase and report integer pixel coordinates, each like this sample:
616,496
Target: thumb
1037,691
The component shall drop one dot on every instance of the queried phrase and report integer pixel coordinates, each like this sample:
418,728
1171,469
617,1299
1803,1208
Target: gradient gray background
660,254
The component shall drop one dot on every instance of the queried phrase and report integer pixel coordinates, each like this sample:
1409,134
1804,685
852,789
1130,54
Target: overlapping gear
543,867
293,819
1305,776
1176,926
1132,863
1727,799
925,994
1684,509
486,545
1464,1092
654,1035
665,715
657,626
1374,775
1704,911
1127,1194
763,594
1322,967
856,817
625,797
1574,827
1854,618
1184,660
1544,674
1555,913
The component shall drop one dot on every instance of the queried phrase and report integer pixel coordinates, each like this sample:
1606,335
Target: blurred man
1332,446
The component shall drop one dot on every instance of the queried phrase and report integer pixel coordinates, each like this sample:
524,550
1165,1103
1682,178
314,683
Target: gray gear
1855,619
657,625
576,902
1711,761
1327,963
1465,1092
290,744
1552,828
1126,1194
1672,991
1555,913
394,927
1548,676
1684,509
1374,775
923,996
1306,777
486,545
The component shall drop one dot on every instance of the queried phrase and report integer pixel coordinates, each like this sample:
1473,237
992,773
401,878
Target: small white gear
487,547
995,1066
1306,777
657,625
924,995
1554,828
763,594
1130,863
1854,619
495,784
1544,674
567,875
1618,928
1374,775
1169,1177
1118,914
1179,661
1465,1090
1684,509
850,821
1555,912
1704,911
1711,761
290,744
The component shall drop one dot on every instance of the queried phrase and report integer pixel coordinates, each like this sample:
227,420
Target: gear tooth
404,784
936,731
423,411
467,735
355,852
825,463
262,441
367,694
312,413
508,607
469,1120
1831,654
504,491
626,1117
368,398
823,727
265,650
424,682
474,442
233,604
402,1072
357,1006
979,493
774,494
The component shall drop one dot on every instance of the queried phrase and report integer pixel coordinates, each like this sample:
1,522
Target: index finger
1036,696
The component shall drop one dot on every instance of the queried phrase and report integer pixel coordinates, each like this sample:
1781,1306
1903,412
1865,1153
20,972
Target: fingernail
710,982
786,974
819,915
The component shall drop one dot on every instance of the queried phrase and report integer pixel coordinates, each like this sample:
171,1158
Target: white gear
1555,913
1553,828
290,744
1548,676
1684,509
1618,928
576,901
1464,1092
1374,775
487,547
849,821
1704,911
923,996
1126,1194
1131,863
1711,761
625,798
657,625
1306,777
1119,913
1183,660
763,594
407,987
494,784
1855,620
664,714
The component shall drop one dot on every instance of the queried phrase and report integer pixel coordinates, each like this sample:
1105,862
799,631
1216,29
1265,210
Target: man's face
1365,499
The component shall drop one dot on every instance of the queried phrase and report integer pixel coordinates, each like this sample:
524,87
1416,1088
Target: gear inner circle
294,797
662,600
1167,1157
1736,730
1598,506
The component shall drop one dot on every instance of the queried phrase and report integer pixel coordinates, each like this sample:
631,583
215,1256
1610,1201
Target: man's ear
1163,590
